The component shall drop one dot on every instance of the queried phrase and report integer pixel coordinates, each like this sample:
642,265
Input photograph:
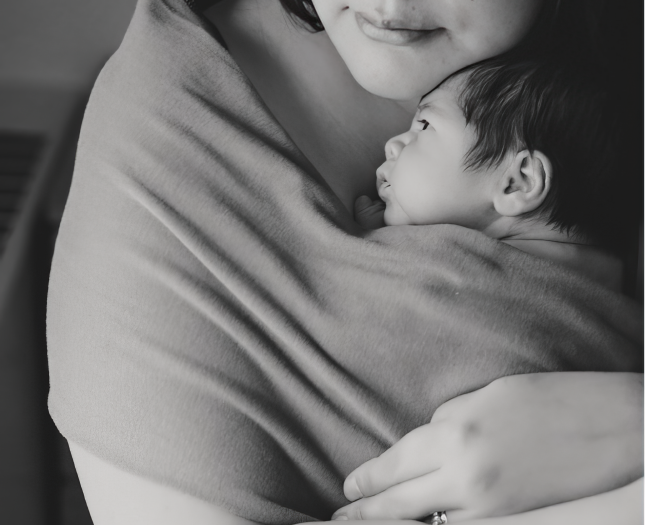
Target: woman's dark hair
305,12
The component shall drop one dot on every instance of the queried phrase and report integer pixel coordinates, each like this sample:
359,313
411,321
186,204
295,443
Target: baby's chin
395,216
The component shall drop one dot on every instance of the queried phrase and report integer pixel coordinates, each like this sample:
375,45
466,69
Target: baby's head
505,148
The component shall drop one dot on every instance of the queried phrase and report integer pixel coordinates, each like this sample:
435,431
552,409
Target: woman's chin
392,85
385,88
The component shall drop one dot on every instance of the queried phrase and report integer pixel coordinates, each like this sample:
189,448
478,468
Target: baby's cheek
415,194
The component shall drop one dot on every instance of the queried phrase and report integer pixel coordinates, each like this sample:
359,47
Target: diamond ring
438,518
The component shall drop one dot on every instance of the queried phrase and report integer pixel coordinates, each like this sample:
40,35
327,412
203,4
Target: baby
521,151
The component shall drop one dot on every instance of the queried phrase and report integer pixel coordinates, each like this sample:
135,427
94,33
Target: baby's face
423,180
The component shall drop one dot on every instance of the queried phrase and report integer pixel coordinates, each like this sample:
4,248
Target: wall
50,53
59,43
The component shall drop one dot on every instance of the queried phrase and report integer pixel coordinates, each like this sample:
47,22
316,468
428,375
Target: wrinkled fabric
219,324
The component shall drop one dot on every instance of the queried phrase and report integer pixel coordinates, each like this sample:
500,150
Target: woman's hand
623,505
369,214
520,443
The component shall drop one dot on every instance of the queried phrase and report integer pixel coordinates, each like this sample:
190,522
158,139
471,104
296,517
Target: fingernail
352,492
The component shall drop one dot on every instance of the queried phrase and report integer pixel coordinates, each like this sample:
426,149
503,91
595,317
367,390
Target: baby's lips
380,189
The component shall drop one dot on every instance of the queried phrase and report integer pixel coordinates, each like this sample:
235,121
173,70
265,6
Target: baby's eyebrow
430,106
437,109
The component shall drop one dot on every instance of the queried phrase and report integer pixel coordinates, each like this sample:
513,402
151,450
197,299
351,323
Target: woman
147,395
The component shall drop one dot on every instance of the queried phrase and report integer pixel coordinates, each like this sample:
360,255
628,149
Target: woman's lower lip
395,37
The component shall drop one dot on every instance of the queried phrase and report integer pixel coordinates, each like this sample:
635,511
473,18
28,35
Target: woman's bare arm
116,497
623,505
523,442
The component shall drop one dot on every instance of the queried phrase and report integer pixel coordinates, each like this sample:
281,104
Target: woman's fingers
412,499
416,454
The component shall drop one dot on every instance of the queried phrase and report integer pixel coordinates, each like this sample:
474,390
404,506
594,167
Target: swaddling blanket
218,323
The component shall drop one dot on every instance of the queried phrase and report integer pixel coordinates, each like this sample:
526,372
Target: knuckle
482,485
454,435
466,428
469,431
486,479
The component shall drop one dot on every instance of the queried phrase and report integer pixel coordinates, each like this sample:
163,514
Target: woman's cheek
487,28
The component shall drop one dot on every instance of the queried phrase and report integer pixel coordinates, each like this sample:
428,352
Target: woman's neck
337,125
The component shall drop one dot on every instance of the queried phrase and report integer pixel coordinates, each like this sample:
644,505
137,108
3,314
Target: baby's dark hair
562,108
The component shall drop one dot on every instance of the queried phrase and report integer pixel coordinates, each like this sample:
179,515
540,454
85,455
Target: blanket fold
218,323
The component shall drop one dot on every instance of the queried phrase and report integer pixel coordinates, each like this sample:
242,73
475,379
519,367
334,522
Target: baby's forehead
444,99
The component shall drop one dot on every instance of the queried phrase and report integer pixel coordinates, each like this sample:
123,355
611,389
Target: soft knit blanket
218,323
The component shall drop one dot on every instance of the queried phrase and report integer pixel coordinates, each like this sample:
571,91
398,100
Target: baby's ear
524,185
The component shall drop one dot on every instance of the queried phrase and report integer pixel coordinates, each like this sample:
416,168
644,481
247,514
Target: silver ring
438,518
